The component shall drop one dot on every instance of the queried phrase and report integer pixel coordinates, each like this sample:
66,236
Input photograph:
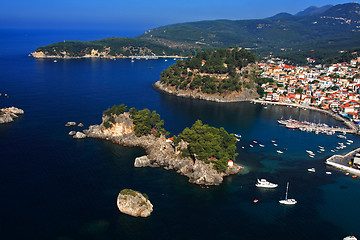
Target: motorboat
287,201
265,184
279,151
311,169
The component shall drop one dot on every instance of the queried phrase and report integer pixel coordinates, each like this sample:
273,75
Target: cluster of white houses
334,87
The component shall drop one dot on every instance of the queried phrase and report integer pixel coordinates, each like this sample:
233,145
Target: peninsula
202,153
222,75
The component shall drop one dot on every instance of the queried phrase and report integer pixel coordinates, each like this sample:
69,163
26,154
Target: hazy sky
139,14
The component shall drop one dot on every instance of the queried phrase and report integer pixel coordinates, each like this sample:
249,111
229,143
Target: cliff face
8,114
93,53
160,153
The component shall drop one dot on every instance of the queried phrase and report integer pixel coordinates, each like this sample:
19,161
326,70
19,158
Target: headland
161,152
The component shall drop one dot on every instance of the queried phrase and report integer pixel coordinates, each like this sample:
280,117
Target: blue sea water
55,187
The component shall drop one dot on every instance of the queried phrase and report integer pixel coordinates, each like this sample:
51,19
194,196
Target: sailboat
288,201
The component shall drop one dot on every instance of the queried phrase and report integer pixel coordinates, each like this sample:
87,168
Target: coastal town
333,88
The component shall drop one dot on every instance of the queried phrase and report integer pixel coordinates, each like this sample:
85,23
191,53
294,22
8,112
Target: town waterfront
56,187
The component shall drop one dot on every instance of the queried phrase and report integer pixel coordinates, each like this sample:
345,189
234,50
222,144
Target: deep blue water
55,187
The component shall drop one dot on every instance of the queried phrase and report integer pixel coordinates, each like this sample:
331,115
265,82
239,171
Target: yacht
310,152
260,145
328,173
279,151
288,201
265,184
237,135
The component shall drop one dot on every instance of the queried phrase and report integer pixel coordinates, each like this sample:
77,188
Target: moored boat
265,184
287,201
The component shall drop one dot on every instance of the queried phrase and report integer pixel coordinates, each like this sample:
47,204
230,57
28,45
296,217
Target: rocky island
134,203
8,114
222,75
202,153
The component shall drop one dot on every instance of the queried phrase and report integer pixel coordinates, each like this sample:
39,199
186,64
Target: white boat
341,136
312,156
310,152
251,145
265,184
311,169
260,145
275,145
288,201
328,173
350,238
55,61
350,141
237,135
279,151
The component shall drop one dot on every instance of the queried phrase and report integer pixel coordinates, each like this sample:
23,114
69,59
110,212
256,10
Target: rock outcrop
160,153
8,114
79,135
247,95
70,124
134,203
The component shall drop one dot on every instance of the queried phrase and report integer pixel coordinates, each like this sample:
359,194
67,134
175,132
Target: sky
138,15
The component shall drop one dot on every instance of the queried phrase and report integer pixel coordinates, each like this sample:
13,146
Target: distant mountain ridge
328,28
313,10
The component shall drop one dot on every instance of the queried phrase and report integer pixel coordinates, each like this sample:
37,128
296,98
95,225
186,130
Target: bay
55,187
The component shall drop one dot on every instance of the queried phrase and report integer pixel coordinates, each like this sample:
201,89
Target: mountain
336,28
329,28
313,10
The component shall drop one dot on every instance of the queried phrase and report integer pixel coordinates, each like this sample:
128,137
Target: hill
218,75
329,28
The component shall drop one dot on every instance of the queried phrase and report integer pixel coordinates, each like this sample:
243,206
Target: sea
55,187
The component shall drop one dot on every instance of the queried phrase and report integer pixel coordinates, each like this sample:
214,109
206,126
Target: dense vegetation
209,144
282,33
113,46
327,31
213,71
147,122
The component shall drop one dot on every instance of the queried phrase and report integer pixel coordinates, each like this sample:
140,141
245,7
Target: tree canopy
209,144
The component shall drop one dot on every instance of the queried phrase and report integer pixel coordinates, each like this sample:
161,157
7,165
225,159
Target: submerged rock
79,135
134,203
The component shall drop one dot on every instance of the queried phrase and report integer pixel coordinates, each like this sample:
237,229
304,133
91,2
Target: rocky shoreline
160,152
95,54
180,93
8,115
244,97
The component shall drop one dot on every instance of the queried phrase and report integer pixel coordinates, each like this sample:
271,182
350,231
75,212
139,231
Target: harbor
315,127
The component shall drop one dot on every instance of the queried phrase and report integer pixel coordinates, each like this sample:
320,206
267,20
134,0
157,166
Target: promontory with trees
222,75
201,152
